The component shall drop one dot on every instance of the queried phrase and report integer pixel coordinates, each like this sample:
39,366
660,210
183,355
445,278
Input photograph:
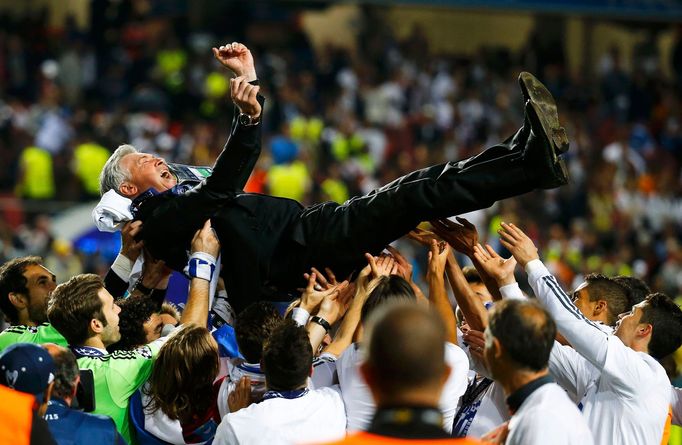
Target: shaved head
405,347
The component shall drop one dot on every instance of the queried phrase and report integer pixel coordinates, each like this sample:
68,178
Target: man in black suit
269,242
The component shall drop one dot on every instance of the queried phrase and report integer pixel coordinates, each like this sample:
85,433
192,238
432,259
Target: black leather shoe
547,139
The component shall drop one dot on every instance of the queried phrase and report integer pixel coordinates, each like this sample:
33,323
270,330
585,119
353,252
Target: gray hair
113,174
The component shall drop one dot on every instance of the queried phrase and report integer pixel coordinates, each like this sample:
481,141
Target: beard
37,313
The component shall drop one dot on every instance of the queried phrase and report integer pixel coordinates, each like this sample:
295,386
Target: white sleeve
570,370
512,292
324,371
676,402
583,334
622,367
122,267
456,384
300,316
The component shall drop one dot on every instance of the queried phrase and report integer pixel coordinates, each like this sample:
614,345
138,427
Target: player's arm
586,337
201,267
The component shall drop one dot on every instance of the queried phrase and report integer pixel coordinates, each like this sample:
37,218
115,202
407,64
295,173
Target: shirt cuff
536,270
511,292
122,267
300,316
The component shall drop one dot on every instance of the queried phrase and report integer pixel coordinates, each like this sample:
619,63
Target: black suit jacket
259,258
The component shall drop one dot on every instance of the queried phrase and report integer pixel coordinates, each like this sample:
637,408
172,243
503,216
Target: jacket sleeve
237,160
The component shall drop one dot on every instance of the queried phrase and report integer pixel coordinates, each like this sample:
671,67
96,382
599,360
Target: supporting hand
240,397
501,270
311,298
205,240
518,244
462,237
130,248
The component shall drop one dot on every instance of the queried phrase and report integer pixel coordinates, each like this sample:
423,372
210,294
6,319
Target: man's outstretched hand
501,270
518,244
237,58
462,237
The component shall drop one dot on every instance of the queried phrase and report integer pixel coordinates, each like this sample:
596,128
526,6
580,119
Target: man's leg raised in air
337,235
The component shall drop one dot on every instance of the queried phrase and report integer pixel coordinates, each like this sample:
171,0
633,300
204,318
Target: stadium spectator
68,425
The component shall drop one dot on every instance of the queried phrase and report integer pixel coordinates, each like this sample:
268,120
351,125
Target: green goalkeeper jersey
117,376
43,333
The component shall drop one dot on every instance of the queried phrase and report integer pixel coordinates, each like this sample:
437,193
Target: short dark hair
525,330
12,279
665,318
73,305
287,357
66,371
135,311
635,288
472,275
601,287
391,288
405,347
253,327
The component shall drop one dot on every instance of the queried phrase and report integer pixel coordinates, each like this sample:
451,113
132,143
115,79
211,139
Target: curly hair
135,311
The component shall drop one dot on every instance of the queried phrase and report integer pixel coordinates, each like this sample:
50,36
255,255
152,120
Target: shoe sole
545,110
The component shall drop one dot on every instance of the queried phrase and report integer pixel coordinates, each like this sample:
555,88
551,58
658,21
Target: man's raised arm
235,163
585,336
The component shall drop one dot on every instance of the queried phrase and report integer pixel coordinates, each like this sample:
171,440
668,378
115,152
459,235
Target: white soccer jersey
548,416
357,397
624,394
316,417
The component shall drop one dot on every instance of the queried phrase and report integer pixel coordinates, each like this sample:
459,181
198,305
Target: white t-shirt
548,416
358,399
624,394
315,417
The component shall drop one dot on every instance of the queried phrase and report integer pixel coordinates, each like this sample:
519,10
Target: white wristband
300,316
122,267
201,265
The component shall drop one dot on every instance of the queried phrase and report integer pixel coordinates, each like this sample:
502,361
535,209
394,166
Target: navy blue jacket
72,427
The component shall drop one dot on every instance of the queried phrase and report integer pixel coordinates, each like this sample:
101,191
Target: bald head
525,331
405,349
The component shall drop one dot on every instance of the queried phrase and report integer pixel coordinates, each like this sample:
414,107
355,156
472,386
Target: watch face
245,119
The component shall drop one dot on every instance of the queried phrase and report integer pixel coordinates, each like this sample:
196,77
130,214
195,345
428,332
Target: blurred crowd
339,123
